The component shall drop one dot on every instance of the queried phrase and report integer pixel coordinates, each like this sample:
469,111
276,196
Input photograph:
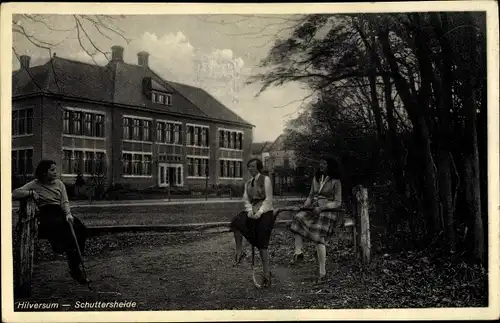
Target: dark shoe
238,258
266,281
297,258
321,279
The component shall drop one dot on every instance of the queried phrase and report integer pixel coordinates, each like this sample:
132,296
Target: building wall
49,141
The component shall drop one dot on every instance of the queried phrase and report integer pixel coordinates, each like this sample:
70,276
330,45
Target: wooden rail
26,233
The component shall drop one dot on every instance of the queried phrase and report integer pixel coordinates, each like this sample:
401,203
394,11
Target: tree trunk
445,193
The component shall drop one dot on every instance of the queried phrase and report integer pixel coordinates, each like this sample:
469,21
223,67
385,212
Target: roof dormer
156,92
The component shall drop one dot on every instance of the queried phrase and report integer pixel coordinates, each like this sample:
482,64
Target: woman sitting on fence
316,225
51,197
257,221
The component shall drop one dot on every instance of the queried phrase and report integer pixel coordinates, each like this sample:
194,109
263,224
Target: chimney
25,61
117,53
142,59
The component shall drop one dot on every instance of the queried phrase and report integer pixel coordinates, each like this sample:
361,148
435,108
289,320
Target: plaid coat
312,226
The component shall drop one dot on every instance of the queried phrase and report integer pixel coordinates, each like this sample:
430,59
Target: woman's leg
321,249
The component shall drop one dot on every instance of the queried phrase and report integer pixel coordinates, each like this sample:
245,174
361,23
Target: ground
193,271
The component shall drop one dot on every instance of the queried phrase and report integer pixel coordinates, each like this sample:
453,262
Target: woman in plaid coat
316,225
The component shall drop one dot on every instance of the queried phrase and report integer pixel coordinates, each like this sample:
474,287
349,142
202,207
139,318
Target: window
67,161
230,139
90,124
197,136
168,132
230,168
77,161
147,165
165,99
136,134
139,129
127,123
146,136
136,164
197,167
66,122
22,122
127,164
77,123
22,161
99,125
160,132
88,163
99,163
178,138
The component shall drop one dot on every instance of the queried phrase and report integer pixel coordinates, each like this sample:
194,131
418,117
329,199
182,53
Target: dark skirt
256,231
54,227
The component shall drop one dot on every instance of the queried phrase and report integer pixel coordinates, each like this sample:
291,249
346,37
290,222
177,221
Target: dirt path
193,271
196,275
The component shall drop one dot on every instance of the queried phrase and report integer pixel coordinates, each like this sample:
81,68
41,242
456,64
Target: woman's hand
318,210
69,218
307,203
33,194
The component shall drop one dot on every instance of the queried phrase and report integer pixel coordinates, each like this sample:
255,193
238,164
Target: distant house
261,150
126,121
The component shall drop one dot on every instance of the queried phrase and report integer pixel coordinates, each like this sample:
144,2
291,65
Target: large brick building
125,122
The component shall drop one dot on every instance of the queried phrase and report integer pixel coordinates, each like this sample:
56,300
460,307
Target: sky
215,52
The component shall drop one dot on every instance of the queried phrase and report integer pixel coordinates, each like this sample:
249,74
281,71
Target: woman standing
316,225
257,221
50,195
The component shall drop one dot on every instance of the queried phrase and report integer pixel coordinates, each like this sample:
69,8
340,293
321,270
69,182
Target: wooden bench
357,221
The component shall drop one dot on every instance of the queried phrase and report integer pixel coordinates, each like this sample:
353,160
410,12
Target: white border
492,312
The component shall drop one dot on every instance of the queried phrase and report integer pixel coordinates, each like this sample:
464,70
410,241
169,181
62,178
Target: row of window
22,122
22,161
161,98
197,136
80,123
90,162
168,132
198,167
230,139
230,168
85,162
136,164
136,129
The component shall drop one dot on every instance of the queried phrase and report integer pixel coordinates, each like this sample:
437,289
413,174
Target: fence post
24,251
364,218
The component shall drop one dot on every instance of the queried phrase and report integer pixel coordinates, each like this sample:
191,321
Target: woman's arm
337,196
267,204
24,191
246,201
64,199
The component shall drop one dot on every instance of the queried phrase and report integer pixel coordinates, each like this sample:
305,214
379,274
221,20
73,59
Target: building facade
124,123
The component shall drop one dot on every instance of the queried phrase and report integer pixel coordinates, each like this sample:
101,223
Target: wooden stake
27,233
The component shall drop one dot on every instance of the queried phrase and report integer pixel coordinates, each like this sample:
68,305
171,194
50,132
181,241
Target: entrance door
170,175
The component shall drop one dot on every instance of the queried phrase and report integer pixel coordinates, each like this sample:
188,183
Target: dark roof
260,147
117,82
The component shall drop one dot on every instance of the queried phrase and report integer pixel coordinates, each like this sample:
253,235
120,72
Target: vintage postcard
229,162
